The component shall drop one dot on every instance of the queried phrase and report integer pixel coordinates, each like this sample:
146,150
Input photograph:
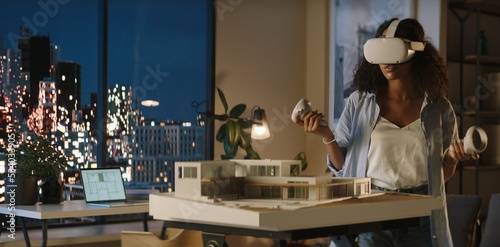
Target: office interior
271,53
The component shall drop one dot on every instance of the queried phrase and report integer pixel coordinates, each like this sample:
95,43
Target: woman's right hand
311,124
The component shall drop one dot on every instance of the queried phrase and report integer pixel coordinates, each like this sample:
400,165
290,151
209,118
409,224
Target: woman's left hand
457,152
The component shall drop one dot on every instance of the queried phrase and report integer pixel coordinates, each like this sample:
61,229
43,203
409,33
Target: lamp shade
260,129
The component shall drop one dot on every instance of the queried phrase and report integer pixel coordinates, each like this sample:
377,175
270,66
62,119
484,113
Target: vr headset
390,49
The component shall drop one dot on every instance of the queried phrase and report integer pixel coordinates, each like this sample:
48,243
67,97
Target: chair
491,234
176,238
463,217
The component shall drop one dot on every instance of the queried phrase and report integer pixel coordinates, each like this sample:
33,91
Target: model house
228,180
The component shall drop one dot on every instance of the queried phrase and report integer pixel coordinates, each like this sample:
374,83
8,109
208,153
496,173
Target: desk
67,209
214,235
352,216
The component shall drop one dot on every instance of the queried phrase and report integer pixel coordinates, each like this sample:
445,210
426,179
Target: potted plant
232,132
233,136
38,159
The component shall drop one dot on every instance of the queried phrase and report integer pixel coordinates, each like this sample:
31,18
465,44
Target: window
50,42
154,51
270,192
296,192
253,171
264,171
190,172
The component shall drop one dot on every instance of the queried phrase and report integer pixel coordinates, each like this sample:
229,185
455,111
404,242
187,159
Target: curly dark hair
431,75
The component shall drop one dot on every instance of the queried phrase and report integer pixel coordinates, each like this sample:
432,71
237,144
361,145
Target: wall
271,53
429,13
317,75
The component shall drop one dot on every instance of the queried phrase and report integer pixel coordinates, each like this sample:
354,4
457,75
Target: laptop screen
103,184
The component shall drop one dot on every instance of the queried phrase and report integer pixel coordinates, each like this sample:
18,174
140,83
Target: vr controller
469,140
302,108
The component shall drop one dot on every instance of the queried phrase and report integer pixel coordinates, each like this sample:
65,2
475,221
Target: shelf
486,114
469,107
491,7
482,59
471,59
482,167
489,114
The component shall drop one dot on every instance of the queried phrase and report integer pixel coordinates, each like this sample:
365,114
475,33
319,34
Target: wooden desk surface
166,206
67,209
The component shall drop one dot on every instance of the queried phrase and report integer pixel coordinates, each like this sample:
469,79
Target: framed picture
353,22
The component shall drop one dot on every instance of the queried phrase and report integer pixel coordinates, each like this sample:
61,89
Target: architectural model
262,183
272,195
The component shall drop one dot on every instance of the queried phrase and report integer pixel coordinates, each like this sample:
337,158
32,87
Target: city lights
37,102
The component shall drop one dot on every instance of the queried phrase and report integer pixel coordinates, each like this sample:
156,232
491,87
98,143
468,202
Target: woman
399,129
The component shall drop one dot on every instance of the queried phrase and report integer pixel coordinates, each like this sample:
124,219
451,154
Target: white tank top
397,156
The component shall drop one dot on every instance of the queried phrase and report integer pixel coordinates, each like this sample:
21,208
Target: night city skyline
146,50
157,50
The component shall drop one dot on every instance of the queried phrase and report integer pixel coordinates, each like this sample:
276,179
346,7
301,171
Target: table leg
45,225
145,222
25,232
163,233
280,243
213,239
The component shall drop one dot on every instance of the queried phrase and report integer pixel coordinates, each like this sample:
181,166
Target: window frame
102,75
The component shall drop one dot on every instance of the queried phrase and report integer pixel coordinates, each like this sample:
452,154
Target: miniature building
260,179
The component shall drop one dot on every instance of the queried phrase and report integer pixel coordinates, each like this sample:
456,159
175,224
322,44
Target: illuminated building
55,58
156,148
88,115
43,118
119,110
68,84
77,144
13,85
120,123
35,52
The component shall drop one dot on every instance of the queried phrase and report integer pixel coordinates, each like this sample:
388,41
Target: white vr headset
390,49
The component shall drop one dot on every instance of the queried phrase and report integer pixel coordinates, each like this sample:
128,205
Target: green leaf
229,150
303,160
233,133
221,133
237,110
223,99
246,139
251,154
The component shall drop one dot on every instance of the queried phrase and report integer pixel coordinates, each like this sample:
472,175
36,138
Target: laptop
104,187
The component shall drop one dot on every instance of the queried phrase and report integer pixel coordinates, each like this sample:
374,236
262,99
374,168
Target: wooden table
67,209
351,216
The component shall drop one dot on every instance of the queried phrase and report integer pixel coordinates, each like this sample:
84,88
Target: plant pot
24,193
51,192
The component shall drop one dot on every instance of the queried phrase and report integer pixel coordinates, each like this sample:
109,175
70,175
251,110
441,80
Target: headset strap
391,30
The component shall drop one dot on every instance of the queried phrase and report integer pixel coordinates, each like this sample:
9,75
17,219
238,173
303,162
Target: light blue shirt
438,122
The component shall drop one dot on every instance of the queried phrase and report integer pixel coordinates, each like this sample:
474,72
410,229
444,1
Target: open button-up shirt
439,125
